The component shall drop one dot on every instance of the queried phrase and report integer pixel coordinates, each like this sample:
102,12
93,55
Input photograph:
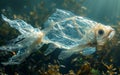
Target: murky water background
36,12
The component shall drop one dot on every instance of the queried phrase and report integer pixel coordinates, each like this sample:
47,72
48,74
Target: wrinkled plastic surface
66,29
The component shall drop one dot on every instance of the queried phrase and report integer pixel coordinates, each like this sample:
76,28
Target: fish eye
100,32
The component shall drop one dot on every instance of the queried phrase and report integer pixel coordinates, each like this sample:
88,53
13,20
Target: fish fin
8,48
88,51
58,15
50,49
16,44
19,57
66,54
13,44
20,25
24,49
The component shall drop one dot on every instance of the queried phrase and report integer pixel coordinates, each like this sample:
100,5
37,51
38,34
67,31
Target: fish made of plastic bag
64,30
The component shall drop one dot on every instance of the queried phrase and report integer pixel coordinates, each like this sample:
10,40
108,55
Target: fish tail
30,38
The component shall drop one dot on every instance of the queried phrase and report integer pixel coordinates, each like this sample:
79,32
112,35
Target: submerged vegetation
104,62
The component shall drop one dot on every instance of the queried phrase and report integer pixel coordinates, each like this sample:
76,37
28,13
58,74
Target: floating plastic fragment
63,29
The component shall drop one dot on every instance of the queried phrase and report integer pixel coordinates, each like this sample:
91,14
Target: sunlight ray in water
101,9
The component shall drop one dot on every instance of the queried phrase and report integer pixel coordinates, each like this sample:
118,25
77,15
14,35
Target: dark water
36,12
